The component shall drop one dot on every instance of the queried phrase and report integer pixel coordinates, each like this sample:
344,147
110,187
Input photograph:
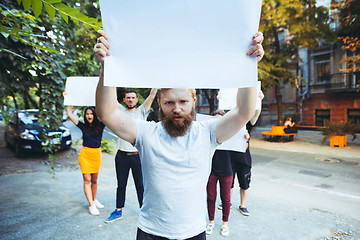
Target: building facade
323,94
330,95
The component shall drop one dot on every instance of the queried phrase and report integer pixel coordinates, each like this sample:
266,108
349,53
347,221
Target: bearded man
175,153
127,156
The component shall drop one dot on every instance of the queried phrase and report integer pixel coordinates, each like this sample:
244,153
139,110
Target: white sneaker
209,229
98,204
225,230
93,210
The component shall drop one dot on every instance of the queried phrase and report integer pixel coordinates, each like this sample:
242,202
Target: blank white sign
80,91
180,43
235,143
227,97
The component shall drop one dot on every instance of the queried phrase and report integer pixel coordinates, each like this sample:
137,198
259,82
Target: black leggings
141,235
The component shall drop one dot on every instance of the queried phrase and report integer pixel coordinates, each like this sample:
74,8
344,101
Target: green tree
349,17
38,51
306,25
349,33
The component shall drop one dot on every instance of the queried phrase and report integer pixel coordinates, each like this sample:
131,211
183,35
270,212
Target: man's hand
102,47
247,137
261,95
257,50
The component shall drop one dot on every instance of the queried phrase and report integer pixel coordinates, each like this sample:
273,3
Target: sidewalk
308,141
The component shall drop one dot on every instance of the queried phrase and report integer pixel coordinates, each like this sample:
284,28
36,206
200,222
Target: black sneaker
244,211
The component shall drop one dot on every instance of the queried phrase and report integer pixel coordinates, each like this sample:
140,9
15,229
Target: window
14,118
354,116
204,99
28,117
322,117
357,80
281,37
322,68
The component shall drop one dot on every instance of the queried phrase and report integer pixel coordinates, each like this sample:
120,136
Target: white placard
80,91
235,143
180,44
258,100
227,97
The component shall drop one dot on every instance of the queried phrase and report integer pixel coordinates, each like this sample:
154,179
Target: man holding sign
127,156
175,153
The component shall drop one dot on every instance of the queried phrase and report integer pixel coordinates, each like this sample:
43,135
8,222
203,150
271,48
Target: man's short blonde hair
161,90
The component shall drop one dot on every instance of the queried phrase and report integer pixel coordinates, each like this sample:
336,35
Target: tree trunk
278,95
26,101
279,104
40,96
15,102
210,96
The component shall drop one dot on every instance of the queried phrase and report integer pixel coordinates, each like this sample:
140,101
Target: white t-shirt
175,173
138,113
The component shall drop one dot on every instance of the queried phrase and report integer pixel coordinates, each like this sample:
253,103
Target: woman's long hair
95,123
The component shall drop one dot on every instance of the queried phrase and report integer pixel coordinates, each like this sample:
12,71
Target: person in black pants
127,156
242,164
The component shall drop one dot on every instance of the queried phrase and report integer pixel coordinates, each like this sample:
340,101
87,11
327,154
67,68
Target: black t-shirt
91,138
249,127
241,158
221,164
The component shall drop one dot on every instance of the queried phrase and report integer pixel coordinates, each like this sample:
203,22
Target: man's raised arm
149,100
234,120
106,99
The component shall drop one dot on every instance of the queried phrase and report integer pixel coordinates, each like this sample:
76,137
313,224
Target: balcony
343,82
339,82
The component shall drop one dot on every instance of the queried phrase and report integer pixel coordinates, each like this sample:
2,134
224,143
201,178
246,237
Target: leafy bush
340,129
107,145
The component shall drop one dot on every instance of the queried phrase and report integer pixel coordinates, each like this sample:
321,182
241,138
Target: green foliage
52,159
38,53
77,142
303,25
8,16
66,12
10,27
340,129
142,93
349,34
107,145
349,18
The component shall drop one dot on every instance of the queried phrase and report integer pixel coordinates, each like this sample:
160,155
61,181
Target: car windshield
29,117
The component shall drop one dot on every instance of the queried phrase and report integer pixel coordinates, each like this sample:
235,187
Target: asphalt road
299,191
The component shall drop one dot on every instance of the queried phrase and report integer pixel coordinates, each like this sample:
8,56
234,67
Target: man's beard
130,107
177,128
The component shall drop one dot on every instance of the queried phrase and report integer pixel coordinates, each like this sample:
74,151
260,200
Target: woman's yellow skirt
90,160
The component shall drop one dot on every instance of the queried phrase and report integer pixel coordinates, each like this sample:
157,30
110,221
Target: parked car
22,133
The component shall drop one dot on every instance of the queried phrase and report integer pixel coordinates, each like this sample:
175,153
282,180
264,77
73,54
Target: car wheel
7,143
18,152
